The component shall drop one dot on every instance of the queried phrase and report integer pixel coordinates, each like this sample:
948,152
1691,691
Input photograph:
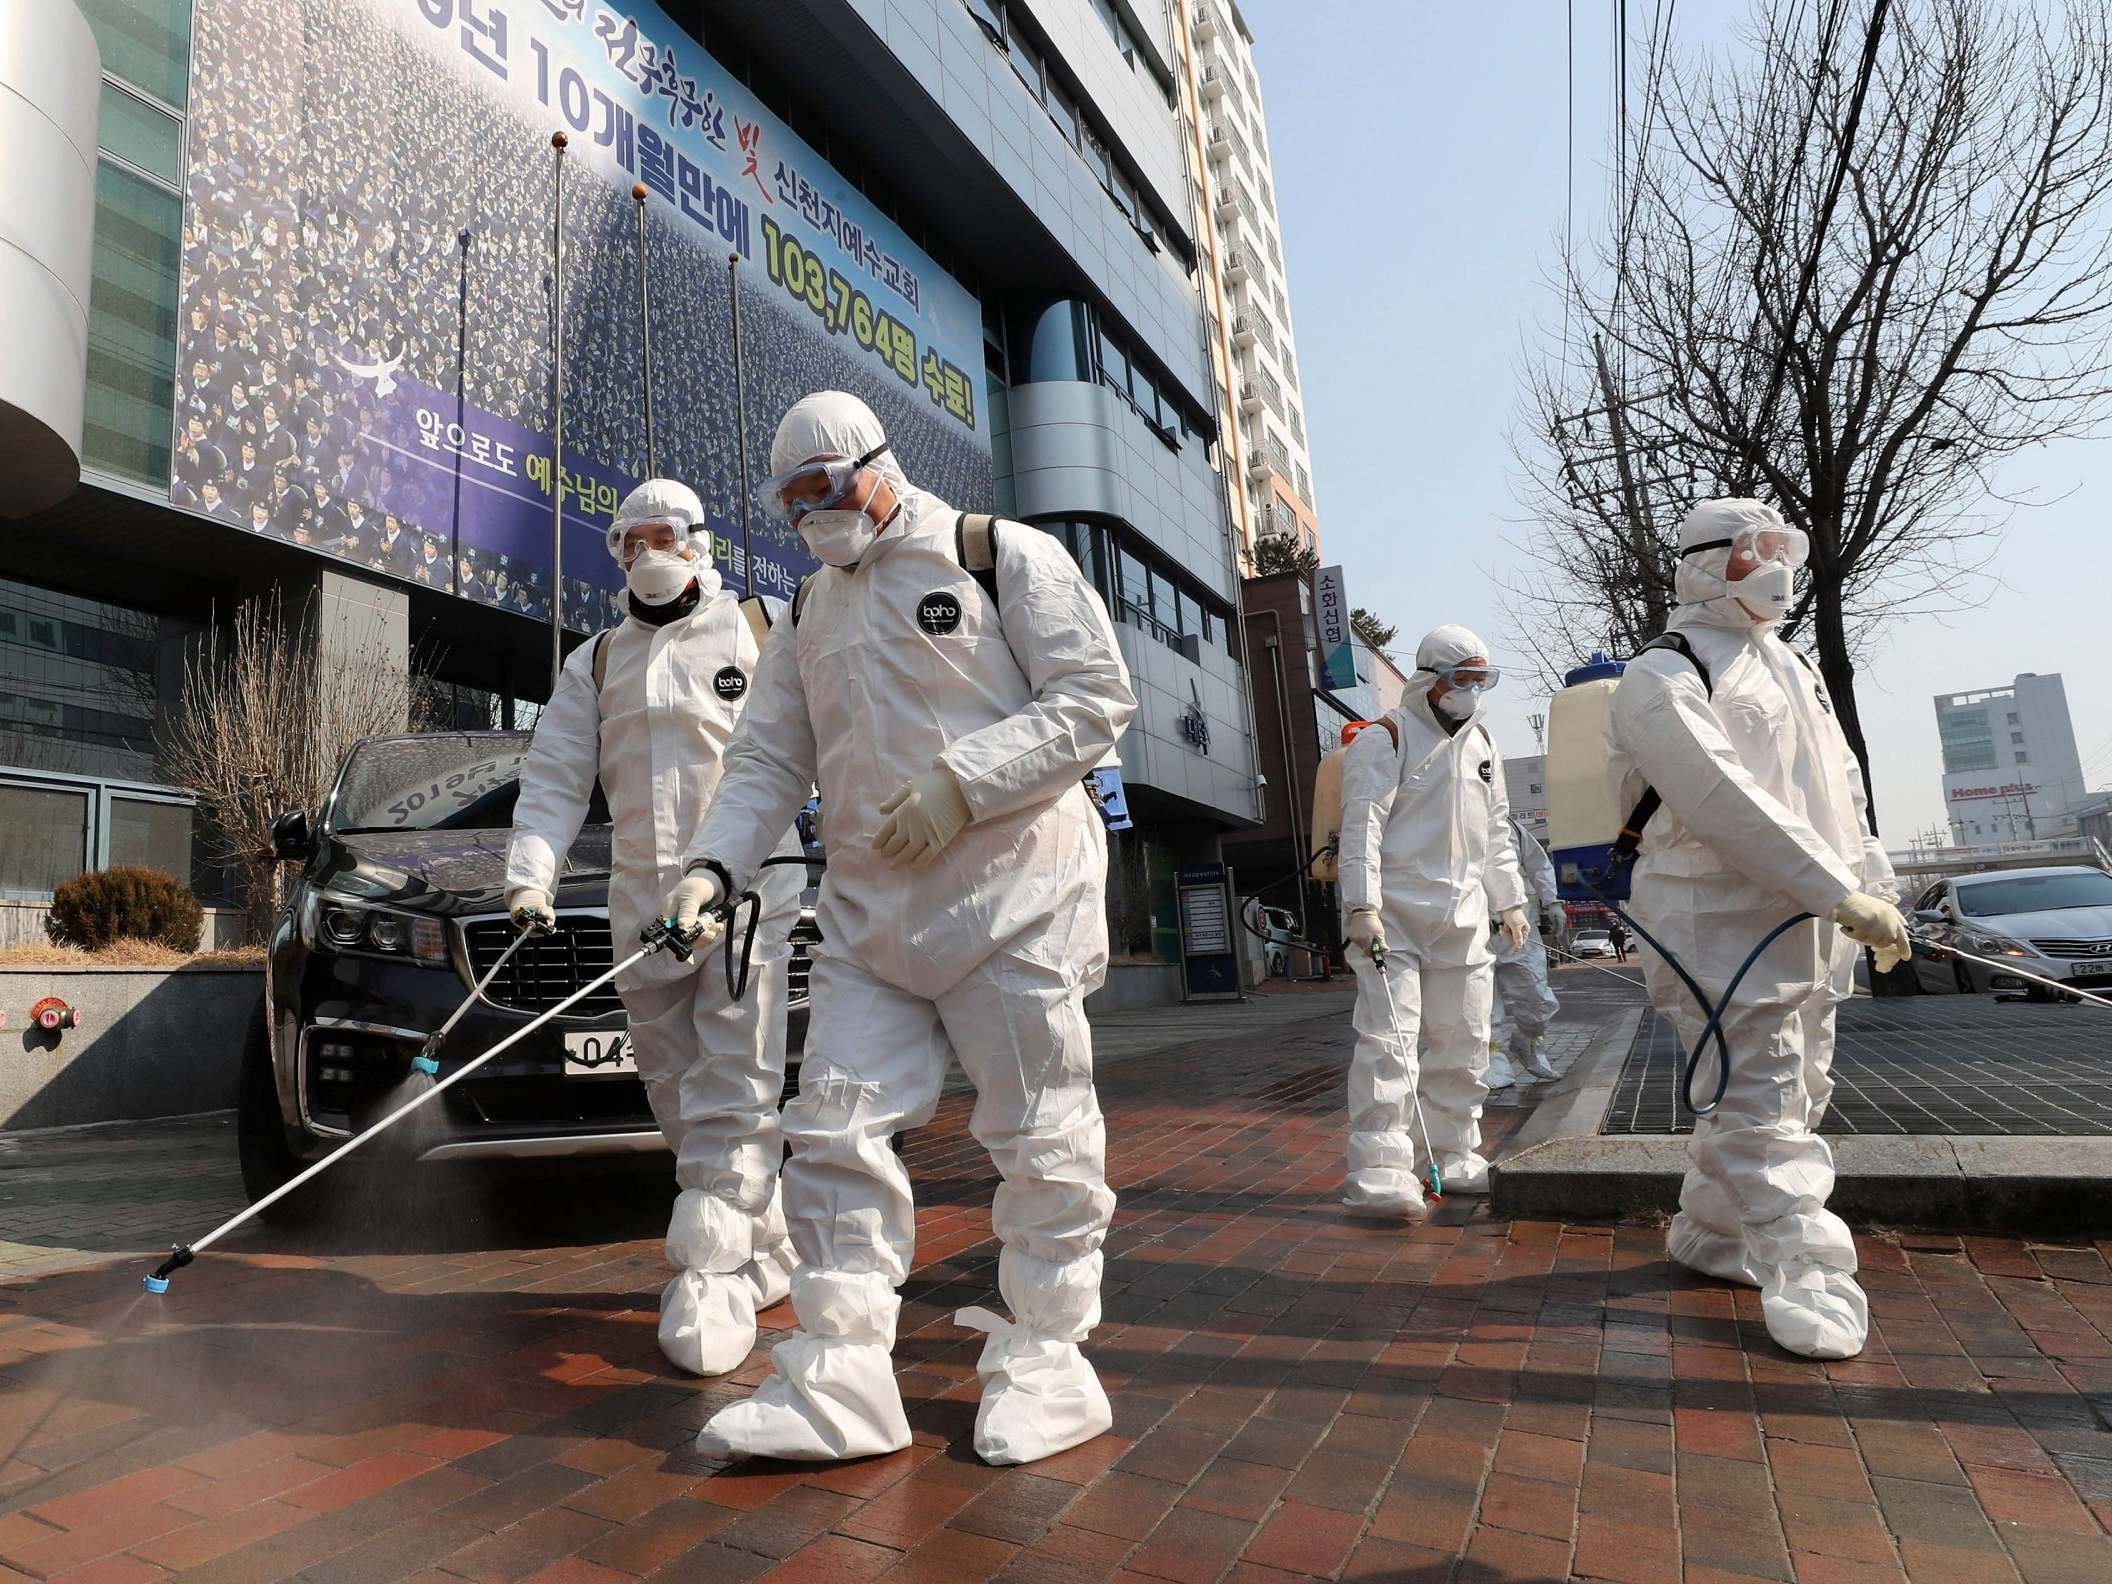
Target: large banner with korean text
364,354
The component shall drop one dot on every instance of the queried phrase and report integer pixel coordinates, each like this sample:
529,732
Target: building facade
320,352
2010,768
1253,354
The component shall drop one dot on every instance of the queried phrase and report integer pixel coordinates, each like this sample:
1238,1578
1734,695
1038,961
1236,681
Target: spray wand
1415,1093
660,934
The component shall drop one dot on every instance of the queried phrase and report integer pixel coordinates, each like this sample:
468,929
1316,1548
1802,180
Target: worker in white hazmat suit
1764,816
949,724
649,707
1427,860
1525,1002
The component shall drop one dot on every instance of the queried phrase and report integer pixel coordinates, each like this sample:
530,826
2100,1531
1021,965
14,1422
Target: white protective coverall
1764,816
713,1068
1426,840
1525,1002
987,952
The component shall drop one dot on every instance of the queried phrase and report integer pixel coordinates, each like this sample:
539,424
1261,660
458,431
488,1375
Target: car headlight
1998,946
373,931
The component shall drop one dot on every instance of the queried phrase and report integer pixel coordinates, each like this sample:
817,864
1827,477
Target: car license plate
603,1053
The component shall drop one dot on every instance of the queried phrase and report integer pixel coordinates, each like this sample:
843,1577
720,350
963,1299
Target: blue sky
1419,151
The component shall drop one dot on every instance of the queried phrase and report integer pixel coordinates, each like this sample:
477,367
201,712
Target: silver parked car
2056,923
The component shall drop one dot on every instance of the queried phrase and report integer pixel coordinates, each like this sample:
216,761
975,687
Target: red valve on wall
51,1014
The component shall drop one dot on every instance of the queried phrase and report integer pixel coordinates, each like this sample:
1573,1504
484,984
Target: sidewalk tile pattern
406,1395
1955,1065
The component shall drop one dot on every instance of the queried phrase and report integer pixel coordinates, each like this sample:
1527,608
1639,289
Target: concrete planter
153,1042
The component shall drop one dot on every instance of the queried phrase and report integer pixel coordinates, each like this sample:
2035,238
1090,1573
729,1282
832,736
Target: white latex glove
686,905
530,909
1874,922
1365,930
926,812
1516,931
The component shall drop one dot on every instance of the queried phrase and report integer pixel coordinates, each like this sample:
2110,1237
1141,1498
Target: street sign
1209,952
1338,661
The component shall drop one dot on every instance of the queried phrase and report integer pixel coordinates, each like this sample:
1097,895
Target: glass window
132,326
990,17
43,839
1026,60
146,42
1114,363
1063,113
1187,613
135,130
1095,153
1136,581
1125,194
151,835
1053,334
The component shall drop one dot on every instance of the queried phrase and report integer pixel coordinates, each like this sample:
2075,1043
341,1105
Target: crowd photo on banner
322,282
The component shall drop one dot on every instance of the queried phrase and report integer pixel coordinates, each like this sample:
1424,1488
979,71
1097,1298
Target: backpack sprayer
1594,845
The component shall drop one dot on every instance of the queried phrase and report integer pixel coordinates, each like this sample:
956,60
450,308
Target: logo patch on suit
1487,771
730,683
938,613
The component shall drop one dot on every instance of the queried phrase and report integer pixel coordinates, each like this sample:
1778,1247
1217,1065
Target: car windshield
2043,893
441,781
1592,935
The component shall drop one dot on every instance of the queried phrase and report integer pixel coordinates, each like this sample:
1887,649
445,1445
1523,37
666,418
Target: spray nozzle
672,936
179,1257
425,1064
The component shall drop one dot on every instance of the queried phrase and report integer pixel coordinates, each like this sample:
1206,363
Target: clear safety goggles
1790,546
626,539
1478,678
812,486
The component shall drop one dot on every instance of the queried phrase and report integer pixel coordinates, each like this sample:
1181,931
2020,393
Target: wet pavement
457,1379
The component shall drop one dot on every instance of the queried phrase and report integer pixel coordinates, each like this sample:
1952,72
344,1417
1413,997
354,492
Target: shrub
105,905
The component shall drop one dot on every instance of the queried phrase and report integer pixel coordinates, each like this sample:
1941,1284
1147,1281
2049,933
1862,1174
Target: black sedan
396,913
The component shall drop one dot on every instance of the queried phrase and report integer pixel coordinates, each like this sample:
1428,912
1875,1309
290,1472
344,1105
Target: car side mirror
291,839
1931,916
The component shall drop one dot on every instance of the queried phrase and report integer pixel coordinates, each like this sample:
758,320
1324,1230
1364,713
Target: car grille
2074,948
548,968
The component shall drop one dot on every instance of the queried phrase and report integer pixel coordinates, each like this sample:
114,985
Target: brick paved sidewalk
418,1394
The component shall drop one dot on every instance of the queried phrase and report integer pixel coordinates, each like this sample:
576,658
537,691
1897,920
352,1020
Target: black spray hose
739,967
1713,1028
1283,880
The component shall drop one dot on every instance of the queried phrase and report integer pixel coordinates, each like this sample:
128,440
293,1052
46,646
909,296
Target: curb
1561,1167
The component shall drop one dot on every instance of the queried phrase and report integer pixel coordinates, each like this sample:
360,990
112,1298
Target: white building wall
50,89
2036,780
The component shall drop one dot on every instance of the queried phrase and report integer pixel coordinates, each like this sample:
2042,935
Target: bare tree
1857,262
265,716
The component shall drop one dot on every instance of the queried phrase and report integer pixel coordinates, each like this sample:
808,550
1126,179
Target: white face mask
658,577
1459,703
838,538
1766,591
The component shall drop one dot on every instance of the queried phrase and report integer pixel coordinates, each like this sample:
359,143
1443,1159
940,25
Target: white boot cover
1713,1253
1535,1066
1040,1396
770,1272
831,1392
1382,1181
1815,1311
1467,1175
707,1313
